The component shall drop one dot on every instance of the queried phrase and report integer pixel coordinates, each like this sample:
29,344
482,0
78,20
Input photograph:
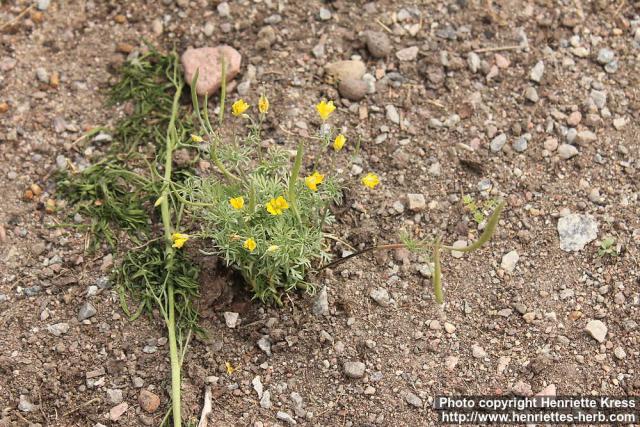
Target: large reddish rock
208,61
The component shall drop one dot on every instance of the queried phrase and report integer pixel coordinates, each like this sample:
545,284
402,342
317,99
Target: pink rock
501,61
208,61
574,118
117,411
549,390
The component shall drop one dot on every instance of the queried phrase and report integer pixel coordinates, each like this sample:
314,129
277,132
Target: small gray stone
408,53
58,329
381,296
605,56
537,71
413,400
273,19
265,401
619,353
115,396
24,404
321,303
354,369
567,151
585,137
416,202
325,14
576,231
353,89
473,60
478,352
498,142
283,416
378,44
520,144
531,94
223,10
597,330
264,344
509,261
599,98
31,291
42,74
231,319
87,310
257,386
392,114
43,4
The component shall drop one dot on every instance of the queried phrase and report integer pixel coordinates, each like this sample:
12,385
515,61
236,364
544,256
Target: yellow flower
312,181
273,248
249,244
230,368
179,239
277,206
371,180
339,142
237,202
325,109
263,104
239,107
196,138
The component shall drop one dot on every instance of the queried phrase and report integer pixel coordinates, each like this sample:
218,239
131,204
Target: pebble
266,37
58,329
619,123
574,118
42,74
537,72
576,230
413,400
498,142
458,244
392,114
231,319
473,61
353,89
531,94
264,344
619,353
503,362
273,19
148,401
599,98
343,70
224,10
450,362
115,396
509,261
585,137
257,386
118,411
86,311
283,416
567,151
321,303
416,202
378,43
24,404
408,53
381,296
478,352
265,401
354,369
158,27
324,14
501,61
605,56
597,330
449,327
208,29
43,4
207,60
520,144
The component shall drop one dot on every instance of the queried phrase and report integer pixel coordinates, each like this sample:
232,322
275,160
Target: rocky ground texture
534,102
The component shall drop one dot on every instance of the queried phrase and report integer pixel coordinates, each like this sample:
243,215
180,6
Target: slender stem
294,178
437,274
169,253
223,89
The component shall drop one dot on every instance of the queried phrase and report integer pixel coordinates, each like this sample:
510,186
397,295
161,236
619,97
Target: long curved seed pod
492,223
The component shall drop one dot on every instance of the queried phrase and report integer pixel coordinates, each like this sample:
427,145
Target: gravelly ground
499,332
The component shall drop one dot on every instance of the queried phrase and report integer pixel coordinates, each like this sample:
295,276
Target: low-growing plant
608,247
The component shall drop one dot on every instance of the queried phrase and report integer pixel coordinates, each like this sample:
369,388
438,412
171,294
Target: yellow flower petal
370,180
237,202
179,239
313,180
273,248
249,244
277,206
263,104
239,107
230,368
196,138
325,109
338,143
